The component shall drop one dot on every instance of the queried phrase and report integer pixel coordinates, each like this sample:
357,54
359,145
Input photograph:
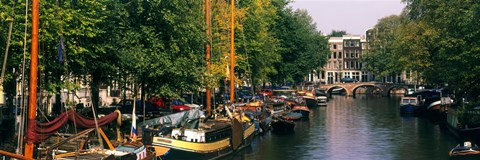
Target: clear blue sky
353,16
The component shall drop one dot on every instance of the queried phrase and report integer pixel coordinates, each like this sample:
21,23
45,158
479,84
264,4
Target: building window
347,75
351,65
346,65
334,46
357,65
356,54
339,54
334,55
352,54
330,77
356,75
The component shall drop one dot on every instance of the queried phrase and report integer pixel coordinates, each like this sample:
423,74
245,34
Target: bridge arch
389,90
330,89
354,90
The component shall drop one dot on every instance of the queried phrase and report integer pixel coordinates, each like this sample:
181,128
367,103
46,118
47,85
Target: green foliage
257,40
337,33
449,33
303,48
161,44
382,58
437,40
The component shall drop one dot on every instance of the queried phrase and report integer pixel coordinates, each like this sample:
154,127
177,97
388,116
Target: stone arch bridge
351,88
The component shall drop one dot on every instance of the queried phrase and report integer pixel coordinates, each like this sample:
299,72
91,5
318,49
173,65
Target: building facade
344,60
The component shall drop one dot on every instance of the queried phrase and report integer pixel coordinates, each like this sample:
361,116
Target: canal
363,128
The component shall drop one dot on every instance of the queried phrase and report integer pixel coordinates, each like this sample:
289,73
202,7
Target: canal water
364,128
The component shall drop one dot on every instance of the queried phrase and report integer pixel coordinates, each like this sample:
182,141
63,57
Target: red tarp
43,131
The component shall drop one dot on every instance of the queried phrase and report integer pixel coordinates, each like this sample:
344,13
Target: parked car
161,103
127,107
348,80
245,94
266,92
178,105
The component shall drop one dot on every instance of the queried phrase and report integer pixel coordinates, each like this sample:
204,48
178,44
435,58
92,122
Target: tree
257,41
303,48
453,45
382,58
338,33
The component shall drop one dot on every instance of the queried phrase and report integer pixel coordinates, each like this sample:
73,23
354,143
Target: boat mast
32,98
22,105
232,51
208,92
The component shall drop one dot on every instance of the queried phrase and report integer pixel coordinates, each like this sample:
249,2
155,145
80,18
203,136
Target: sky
353,16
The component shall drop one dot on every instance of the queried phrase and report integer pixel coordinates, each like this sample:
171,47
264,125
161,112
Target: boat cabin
409,100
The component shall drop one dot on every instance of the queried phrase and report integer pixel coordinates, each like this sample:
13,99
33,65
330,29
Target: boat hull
408,109
283,126
304,113
322,101
180,149
311,102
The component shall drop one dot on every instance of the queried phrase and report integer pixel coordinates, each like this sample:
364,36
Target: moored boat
322,97
292,116
282,126
458,124
408,105
465,151
425,98
302,110
436,110
188,135
310,101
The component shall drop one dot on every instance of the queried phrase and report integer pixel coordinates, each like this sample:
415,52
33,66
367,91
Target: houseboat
409,105
189,135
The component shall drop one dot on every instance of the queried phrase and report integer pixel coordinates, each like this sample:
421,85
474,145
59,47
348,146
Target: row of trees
438,41
160,44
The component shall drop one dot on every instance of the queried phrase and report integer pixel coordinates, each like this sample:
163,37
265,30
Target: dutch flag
133,133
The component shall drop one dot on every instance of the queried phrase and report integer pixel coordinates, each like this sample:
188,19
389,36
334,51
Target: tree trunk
142,96
94,87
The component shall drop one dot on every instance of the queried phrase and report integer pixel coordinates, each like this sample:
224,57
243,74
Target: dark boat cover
175,120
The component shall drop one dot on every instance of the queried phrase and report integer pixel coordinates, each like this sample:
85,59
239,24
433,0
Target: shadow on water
363,128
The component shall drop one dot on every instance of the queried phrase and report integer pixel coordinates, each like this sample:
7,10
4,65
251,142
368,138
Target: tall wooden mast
207,23
32,98
232,51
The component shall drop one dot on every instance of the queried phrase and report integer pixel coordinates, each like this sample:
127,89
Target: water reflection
366,127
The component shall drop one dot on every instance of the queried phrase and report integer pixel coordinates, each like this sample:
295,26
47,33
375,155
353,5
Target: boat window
406,101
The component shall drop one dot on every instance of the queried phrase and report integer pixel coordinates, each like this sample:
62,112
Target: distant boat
338,91
292,116
408,105
258,113
322,97
302,110
282,126
310,101
436,110
425,98
465,151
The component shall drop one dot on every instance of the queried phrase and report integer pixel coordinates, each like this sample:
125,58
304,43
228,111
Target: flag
60,50
133,133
